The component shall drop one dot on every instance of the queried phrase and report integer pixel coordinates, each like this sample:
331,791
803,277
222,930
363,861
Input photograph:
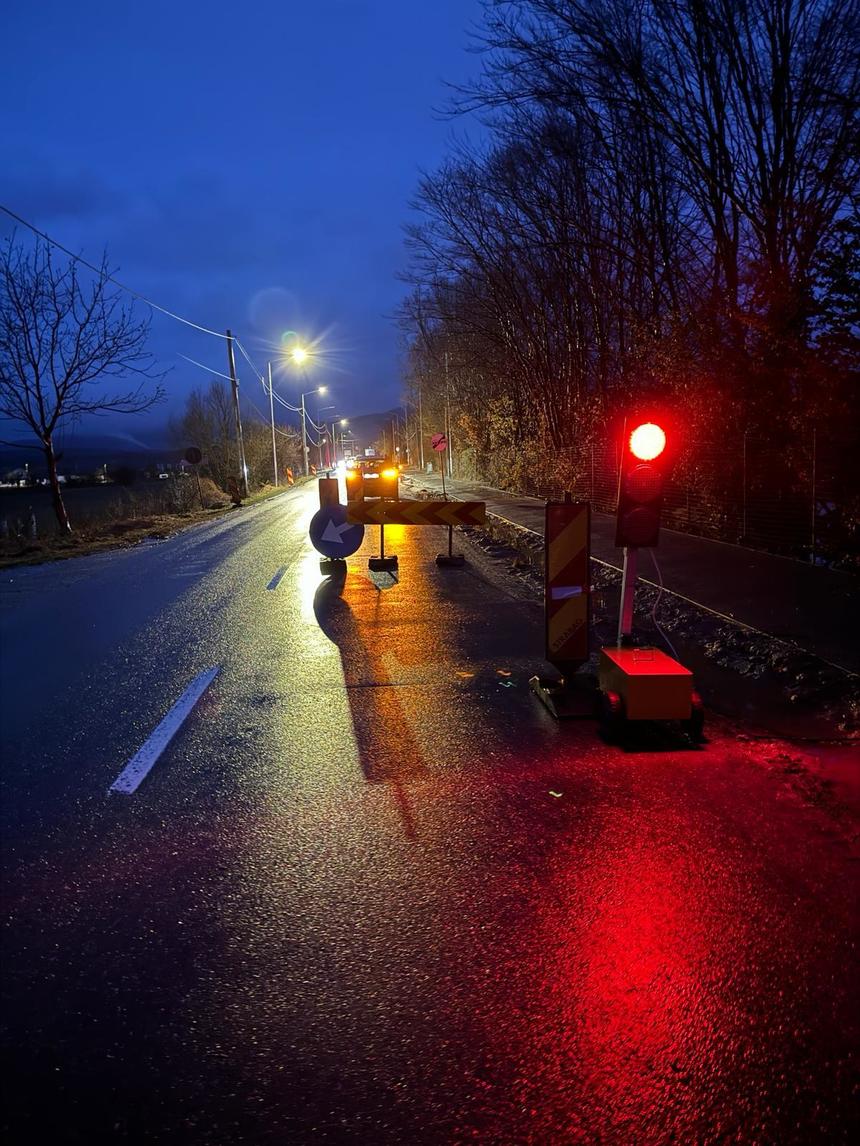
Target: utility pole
449,451
272,415
305,439
243,475
420,429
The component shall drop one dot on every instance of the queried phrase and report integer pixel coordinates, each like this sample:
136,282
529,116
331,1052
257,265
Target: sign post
382,564
194,456
439,442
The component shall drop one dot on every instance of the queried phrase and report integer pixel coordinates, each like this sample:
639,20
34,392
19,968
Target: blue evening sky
246,165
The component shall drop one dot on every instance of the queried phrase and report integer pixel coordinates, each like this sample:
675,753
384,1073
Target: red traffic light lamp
647,442
640,490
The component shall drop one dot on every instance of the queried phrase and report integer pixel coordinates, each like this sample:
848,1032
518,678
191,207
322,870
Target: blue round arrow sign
332,535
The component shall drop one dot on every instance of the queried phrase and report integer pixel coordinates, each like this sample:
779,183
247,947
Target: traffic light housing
640,487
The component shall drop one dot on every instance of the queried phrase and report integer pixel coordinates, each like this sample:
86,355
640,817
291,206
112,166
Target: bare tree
60,339
208,422
754,104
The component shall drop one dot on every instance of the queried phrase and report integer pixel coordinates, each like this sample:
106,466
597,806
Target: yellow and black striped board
566,583
417,512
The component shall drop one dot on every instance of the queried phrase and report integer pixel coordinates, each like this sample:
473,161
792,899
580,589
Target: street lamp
318,390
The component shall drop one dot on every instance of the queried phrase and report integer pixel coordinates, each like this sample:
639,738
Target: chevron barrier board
417,512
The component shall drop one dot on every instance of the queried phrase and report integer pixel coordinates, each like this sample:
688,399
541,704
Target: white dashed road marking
139,766
273,584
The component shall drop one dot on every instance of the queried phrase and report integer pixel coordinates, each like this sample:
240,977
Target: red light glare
647,442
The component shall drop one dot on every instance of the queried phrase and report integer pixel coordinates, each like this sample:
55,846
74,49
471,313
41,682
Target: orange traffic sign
417,512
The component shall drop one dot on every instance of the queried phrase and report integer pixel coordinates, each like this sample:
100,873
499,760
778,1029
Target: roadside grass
111,532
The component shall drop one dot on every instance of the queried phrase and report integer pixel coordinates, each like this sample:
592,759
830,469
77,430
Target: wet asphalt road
372,893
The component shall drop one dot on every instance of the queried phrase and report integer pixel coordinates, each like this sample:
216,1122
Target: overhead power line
247,358
296,409
110,278
227,378
262,380
208,369
265,417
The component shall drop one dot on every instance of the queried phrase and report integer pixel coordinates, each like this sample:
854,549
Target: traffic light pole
628,593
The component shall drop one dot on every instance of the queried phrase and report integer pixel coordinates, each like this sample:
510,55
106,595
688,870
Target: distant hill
85,453
368,429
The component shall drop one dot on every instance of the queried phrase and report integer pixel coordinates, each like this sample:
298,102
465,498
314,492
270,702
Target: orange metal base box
652,685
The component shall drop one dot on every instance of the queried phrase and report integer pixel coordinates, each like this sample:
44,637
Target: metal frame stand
382,564
628,594
450,558
568,697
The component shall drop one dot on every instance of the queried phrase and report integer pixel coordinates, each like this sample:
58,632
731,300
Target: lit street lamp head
299,355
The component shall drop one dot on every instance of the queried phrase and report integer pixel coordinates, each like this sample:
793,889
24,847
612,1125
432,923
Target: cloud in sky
247,168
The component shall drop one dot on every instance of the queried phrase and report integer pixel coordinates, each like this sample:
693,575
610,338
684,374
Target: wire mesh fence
800,500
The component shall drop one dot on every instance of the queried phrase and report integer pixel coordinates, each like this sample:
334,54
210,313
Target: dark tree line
666,210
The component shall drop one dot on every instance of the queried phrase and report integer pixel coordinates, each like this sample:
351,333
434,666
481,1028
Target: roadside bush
213,496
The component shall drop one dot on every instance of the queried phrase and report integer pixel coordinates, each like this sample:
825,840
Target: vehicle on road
373,477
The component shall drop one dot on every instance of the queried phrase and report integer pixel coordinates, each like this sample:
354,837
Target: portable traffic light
640,492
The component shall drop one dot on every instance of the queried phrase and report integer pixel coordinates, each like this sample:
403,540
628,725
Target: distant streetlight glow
299,355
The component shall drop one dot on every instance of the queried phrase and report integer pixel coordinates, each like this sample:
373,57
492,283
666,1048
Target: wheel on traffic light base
694,726
612,716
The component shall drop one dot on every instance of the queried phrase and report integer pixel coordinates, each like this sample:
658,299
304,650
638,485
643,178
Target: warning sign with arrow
332,535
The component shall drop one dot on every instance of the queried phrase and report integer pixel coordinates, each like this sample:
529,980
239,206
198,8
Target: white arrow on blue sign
332,535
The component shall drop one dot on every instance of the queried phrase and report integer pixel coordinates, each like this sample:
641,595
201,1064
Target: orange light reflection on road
395,534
